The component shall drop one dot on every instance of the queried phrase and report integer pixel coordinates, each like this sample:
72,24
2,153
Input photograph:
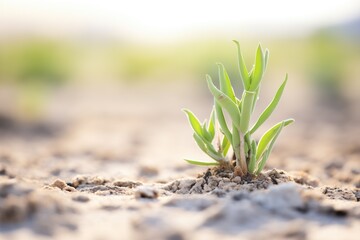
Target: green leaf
211,126
225,102
200,142
266,58
194,122
222,122
246,110
256,98
207,147
238,102
225,145
270,108
244,74
252,163
268,136
201,163
246,148
258,69
205,133
251,76
225,83
262,163
236,141
247,145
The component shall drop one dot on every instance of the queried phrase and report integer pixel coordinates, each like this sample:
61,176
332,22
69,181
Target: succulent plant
217,135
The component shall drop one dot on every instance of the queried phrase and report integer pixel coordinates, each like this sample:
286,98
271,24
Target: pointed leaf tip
244,74
270,108
194,122
225,83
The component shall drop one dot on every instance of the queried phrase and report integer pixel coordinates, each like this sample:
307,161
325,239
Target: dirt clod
88,180
340,193
20,204
305,179
127,184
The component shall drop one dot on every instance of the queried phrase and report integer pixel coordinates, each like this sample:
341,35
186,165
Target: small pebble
59,184
146,192
81,198
237,179
69,189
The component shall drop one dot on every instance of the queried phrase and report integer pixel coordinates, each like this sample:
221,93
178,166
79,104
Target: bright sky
160,20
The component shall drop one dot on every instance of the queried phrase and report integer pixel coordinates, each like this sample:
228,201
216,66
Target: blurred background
107,79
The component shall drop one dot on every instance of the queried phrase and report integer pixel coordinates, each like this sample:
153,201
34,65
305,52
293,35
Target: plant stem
238,146
246,110
236,143
242,164
247,140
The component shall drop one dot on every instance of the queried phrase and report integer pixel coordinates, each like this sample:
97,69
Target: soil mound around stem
219,182
213,181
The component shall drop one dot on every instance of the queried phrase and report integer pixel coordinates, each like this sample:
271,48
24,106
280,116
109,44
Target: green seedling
248,156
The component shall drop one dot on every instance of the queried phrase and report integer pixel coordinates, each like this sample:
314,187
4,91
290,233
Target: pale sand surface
117,153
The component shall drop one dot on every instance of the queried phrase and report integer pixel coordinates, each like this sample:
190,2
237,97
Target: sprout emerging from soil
248,157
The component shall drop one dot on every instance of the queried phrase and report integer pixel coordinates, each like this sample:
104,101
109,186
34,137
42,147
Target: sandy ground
107,164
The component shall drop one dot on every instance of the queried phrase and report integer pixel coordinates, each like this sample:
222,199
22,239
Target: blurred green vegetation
36,61
40,62
164,62
35,66
328,58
